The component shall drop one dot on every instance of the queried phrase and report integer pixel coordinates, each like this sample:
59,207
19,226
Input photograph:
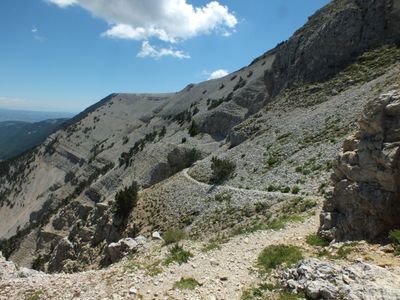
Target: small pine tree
222,169
162,132
194,129
126,200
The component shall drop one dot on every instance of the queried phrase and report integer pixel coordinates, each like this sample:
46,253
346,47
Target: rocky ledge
364,203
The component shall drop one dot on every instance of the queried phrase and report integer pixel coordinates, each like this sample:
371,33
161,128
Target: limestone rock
115,251
63,251
156,236
364,203
325,280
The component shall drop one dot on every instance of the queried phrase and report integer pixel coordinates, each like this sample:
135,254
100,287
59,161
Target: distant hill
17,136
31,116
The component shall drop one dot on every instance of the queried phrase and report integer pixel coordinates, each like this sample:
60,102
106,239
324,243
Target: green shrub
277,255
394,235
186,284
183,140
126,200
179,255
173,236
222,169
316,240
295,190
194,129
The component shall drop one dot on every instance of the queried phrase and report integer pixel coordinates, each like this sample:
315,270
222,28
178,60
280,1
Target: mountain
31,116
240,165
16,136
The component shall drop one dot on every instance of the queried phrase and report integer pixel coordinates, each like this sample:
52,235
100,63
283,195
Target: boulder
326,280
157,236
116,251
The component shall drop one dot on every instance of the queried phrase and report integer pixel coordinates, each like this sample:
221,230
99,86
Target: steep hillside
278,122
17,136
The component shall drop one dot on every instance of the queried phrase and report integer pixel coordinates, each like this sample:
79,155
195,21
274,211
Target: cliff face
364,203
335,36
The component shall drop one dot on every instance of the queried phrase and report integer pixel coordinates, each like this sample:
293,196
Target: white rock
156,236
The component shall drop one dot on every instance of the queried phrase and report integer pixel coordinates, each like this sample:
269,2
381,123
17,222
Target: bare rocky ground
223,273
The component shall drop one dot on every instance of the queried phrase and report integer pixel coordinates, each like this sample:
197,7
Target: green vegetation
257,292
298,205
214,244
264,290
342,253
36,295
186,284
295,190
194,129
179,255
222,169
394,235
126,200
277,255
173,236
126,157
316,240
223,197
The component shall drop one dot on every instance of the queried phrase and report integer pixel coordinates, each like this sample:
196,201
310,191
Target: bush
186,284
295,190
179,255
222,169
126,200
276,255
394,235
183,140
194,129
173,236
316,240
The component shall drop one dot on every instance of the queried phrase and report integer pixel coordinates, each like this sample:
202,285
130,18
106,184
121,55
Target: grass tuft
277,255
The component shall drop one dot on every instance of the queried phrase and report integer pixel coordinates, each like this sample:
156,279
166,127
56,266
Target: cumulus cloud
217,74
154,52
170,21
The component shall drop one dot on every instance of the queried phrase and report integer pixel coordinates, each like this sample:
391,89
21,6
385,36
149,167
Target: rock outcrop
332,38
364,203
324,280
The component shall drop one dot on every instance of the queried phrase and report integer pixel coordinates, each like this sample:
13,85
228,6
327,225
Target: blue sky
64,55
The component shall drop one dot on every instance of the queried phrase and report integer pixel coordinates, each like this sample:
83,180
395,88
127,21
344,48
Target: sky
65,55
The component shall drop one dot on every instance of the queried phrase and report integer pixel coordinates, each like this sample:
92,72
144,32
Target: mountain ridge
267,118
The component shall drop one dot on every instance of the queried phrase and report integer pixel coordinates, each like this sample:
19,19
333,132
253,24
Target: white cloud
36,36
166,20
153,52
63,3
217,74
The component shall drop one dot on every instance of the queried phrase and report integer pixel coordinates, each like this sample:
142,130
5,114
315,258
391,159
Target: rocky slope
280,121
